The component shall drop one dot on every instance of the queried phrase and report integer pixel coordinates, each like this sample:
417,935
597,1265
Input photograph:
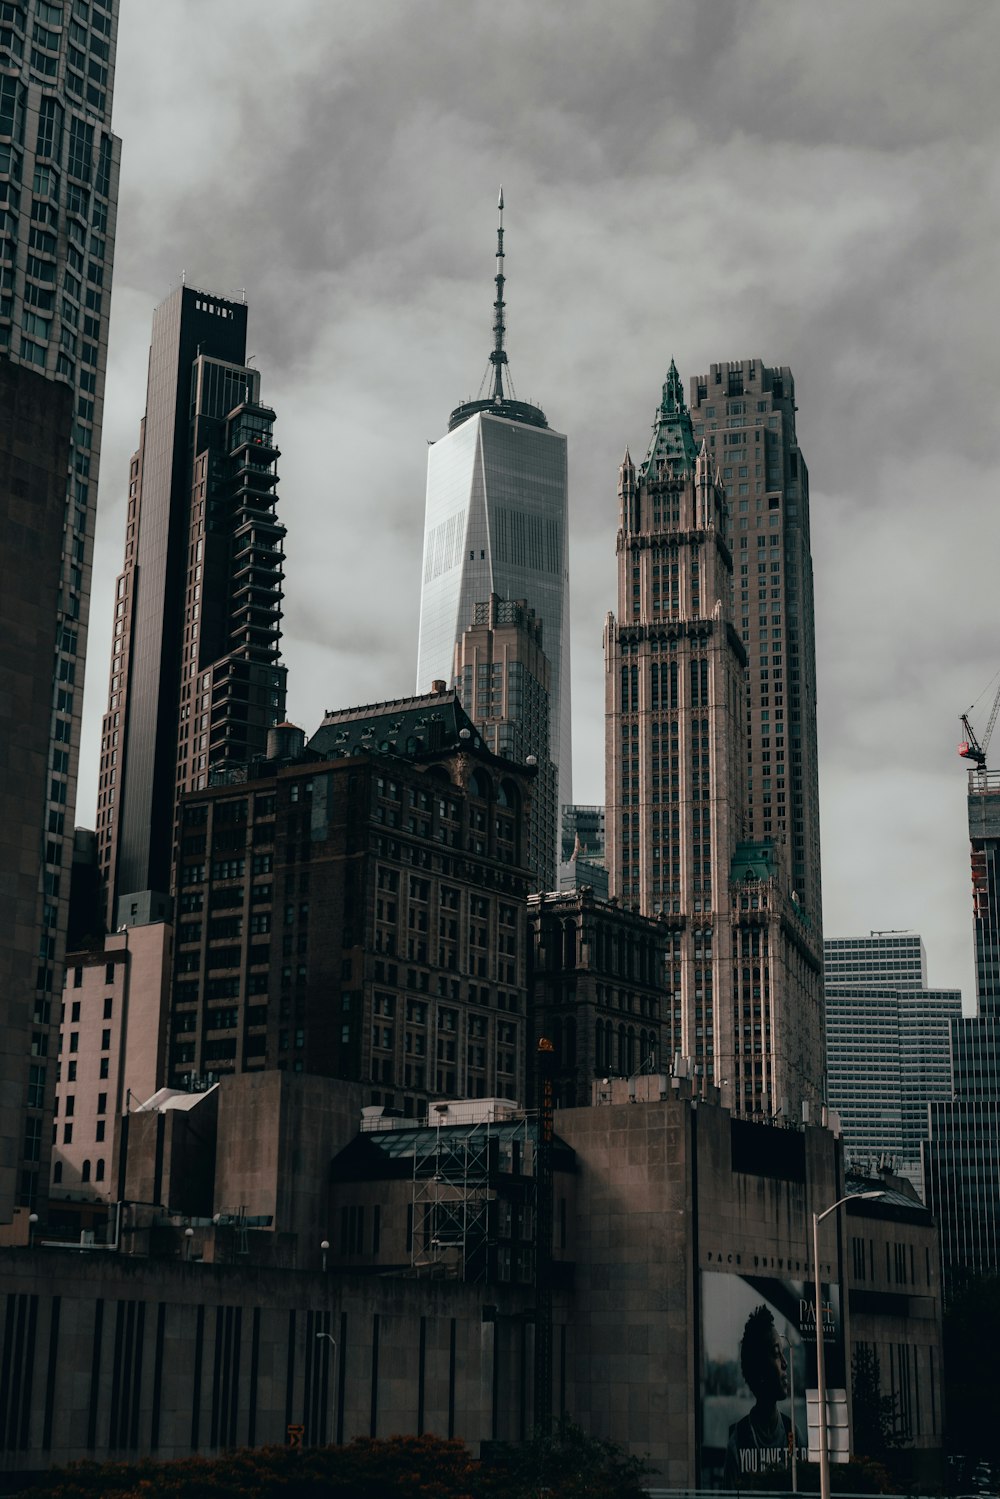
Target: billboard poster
758,1359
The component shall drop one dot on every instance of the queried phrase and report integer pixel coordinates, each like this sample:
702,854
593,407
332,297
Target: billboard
758,1359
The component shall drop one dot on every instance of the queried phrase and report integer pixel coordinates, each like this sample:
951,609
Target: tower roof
672,440
501,400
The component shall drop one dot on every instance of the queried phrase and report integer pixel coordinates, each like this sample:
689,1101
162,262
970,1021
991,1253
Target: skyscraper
502,678
962,1156
496,523
888,1047
58,199
195,674
745,413
743,960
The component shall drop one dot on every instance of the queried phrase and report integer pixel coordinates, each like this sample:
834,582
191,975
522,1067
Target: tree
567,1463
877,1417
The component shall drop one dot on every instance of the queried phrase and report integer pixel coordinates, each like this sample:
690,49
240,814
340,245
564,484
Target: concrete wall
111,1356
659,1199
278,1133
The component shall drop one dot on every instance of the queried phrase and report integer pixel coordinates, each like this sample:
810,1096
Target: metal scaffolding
457,1213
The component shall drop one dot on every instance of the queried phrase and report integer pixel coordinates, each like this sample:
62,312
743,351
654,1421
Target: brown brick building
597,990
356,910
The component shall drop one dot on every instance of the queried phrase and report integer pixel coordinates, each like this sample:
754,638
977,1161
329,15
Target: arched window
57,1172
99,1173
85,1173
479,786
508,795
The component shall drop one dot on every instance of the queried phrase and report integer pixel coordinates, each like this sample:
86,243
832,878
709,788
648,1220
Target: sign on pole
837,1429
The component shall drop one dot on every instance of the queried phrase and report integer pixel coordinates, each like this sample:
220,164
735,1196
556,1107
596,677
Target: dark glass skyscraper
58,197
195,675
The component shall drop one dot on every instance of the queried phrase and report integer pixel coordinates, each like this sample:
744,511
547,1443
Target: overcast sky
798,182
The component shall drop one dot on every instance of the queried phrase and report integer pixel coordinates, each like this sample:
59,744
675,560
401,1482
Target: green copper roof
753,861
673,439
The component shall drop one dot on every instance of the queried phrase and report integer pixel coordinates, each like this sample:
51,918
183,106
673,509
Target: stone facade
597,990
360,914
112,1043
663,1203
116,1356
744,966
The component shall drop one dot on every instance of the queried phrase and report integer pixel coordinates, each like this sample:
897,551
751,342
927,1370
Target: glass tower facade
496,523
58,201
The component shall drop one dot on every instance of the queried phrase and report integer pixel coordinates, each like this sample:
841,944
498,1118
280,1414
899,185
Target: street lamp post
331,1339
824,1454
791,1405
323,1249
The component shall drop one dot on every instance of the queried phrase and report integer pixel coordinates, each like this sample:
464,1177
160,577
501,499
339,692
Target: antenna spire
498,357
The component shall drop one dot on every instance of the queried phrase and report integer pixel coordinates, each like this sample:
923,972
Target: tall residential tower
58,197
743,962
195,674
496,523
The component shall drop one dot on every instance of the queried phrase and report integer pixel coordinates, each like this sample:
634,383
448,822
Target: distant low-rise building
470,1264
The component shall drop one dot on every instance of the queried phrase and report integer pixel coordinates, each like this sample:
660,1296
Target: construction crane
970,747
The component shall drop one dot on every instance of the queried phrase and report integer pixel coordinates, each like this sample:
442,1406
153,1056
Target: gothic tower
744,982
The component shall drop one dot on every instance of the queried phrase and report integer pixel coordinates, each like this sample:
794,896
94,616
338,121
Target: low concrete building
610,1276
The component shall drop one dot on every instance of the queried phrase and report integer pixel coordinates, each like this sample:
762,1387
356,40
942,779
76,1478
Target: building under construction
962,1155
